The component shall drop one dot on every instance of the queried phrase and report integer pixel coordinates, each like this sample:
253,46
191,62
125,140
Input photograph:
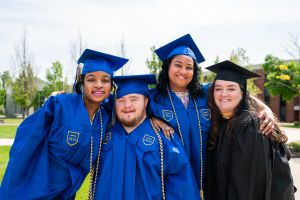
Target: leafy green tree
24,89
154,64
55,80
5,80
283,77
2,96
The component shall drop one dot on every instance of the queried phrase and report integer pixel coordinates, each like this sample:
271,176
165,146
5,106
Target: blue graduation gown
51,153
130,167
161,107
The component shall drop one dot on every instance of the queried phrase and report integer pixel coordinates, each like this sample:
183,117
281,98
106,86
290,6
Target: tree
293,49
76,49
55,80
239,57
125,69
5,80
154,64
283,77
24,87
209,76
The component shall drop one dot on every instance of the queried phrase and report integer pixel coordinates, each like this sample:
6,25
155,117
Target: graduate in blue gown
57,146
138,162
181,100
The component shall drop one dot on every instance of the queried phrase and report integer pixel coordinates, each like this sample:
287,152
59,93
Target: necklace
94,169
201,142
183,96
161,161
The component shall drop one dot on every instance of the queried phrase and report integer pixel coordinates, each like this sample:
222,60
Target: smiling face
181,72
131,109
227,95
97,86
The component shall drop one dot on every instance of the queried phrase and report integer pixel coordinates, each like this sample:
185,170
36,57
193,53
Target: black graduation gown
241,166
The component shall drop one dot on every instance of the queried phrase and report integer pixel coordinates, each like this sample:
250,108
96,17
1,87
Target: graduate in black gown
242,163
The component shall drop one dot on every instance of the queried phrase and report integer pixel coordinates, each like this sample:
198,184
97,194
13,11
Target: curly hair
194,87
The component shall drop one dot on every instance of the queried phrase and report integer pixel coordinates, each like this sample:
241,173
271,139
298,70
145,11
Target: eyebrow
104,76
225,86
182,62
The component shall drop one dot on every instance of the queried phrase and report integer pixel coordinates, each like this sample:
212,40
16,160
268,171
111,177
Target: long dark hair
216,116
194,86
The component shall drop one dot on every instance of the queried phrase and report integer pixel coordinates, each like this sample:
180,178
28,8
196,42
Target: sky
260,27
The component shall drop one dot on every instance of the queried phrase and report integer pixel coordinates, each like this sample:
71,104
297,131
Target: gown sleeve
28,165
250,172
180,181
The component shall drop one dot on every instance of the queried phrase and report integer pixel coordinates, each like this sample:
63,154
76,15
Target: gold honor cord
201,156
94,171
201,142
173,108
161,162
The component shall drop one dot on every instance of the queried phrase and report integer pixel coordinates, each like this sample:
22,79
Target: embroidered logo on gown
148,139
72,138
167,115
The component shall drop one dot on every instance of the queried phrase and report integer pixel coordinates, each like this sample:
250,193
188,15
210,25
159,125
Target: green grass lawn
4,152
290,125
8,131
83,192
4,155
12,120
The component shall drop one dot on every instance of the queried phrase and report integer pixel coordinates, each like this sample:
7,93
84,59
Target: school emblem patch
72,138
167,115
107,138
148,139
205,113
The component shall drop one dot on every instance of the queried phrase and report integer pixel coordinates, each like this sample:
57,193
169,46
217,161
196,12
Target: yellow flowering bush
284,77
283,67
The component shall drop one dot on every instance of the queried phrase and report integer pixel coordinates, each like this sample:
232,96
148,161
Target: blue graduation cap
98,61
134,84
184,45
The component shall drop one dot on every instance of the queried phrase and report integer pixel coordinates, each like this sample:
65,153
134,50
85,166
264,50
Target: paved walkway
6,142
293,134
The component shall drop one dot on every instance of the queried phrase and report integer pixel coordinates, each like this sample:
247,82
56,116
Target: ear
146,101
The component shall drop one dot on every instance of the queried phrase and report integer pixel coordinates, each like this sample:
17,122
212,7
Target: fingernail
172,136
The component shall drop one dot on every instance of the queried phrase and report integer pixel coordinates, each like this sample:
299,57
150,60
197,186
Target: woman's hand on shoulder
267,120
167,130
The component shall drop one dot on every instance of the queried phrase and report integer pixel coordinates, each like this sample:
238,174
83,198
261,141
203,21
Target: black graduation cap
229,71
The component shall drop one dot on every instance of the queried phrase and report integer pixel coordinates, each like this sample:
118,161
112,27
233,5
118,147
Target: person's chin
128,123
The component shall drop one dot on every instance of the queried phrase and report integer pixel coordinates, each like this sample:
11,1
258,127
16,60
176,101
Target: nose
99,84
127,104
224,92
183,70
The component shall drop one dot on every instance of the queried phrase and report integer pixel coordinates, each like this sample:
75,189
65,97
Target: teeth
181,77
224,100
